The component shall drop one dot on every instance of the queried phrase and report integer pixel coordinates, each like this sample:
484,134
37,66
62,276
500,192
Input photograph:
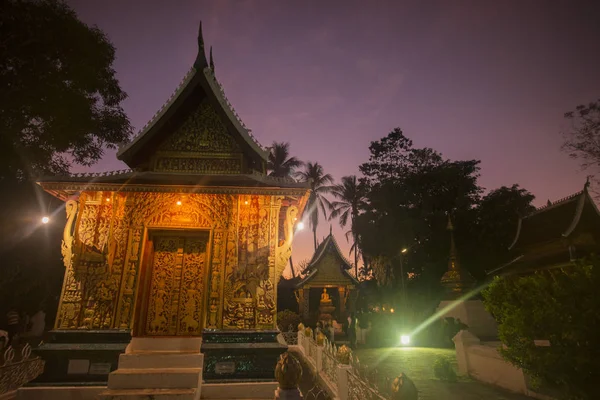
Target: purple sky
472,79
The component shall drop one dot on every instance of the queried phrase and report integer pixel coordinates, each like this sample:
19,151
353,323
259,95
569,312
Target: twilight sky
471,79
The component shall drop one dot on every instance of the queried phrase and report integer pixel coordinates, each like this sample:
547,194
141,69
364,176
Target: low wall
482,361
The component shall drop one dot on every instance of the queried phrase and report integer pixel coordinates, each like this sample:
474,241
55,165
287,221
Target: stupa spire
455,280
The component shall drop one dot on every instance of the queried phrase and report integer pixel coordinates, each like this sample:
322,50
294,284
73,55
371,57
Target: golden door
176,288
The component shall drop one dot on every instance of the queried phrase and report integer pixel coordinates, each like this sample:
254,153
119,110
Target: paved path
417,363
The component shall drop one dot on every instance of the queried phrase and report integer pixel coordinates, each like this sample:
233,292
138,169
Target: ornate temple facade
193,236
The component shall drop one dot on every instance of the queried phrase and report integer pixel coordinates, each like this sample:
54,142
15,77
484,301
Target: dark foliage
60,100
561,306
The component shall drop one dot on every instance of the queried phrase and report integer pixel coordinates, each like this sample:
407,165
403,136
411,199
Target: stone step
181,344
155,378
241,390
163,359
145,394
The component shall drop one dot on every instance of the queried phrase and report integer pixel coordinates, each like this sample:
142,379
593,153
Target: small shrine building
555,235
193,238
328,283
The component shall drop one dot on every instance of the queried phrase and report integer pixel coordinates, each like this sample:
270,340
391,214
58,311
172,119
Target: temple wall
105,239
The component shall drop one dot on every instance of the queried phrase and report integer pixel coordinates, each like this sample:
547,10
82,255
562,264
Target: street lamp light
300,225
45,220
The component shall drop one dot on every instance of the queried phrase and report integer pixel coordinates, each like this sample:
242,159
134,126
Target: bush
287,320
443,370
559,305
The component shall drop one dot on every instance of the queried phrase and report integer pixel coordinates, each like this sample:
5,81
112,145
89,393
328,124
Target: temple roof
316,266
555,221
555,235
198,83
131,180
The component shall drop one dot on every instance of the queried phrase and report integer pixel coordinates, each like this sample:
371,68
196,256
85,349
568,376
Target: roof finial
587,184
212,64
549,203
201,57
330,229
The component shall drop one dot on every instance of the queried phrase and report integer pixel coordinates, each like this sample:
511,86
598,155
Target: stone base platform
80,357
246,390
59,392
240,356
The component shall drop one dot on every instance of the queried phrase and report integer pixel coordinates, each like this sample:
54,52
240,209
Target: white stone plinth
473,314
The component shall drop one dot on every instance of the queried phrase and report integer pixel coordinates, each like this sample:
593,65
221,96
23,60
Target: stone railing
16,373
339,369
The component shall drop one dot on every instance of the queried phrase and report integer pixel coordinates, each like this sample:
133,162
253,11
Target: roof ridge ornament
212,63
200,62
587,183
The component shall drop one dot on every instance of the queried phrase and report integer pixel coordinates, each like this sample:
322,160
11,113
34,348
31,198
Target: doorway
175,284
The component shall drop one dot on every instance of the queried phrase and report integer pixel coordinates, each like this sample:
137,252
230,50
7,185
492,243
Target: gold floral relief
164,262
203,131
103,244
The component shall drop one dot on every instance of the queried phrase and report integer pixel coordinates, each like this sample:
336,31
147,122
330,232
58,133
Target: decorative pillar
342,294
305,306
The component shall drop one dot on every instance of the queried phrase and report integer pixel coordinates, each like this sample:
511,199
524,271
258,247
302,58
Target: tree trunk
356,258
292,267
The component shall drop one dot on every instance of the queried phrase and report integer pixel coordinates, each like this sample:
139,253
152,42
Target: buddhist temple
555,235
328,290
189,242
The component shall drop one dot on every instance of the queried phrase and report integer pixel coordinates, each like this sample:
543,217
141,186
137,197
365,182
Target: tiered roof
556,234
199,80
198,89
339,275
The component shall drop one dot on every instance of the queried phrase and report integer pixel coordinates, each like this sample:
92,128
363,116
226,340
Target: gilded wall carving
200,145
175,302
237,269
209,166
203,131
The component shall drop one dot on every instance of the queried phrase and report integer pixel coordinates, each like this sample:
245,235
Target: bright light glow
404,250
300,225
108,199
246,202
45,220
178,202
405,340
392,310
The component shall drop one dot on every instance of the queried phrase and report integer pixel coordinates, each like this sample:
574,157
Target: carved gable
201,145
329,270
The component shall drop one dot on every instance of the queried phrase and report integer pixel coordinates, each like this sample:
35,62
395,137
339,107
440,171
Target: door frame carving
141,298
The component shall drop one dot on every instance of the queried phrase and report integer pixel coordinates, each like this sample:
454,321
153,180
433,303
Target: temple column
342,293
305,305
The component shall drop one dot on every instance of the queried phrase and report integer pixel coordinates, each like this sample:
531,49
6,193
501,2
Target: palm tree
349,202
280,163
320,184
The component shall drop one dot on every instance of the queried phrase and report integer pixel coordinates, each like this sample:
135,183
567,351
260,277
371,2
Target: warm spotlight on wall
108,199
178,202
